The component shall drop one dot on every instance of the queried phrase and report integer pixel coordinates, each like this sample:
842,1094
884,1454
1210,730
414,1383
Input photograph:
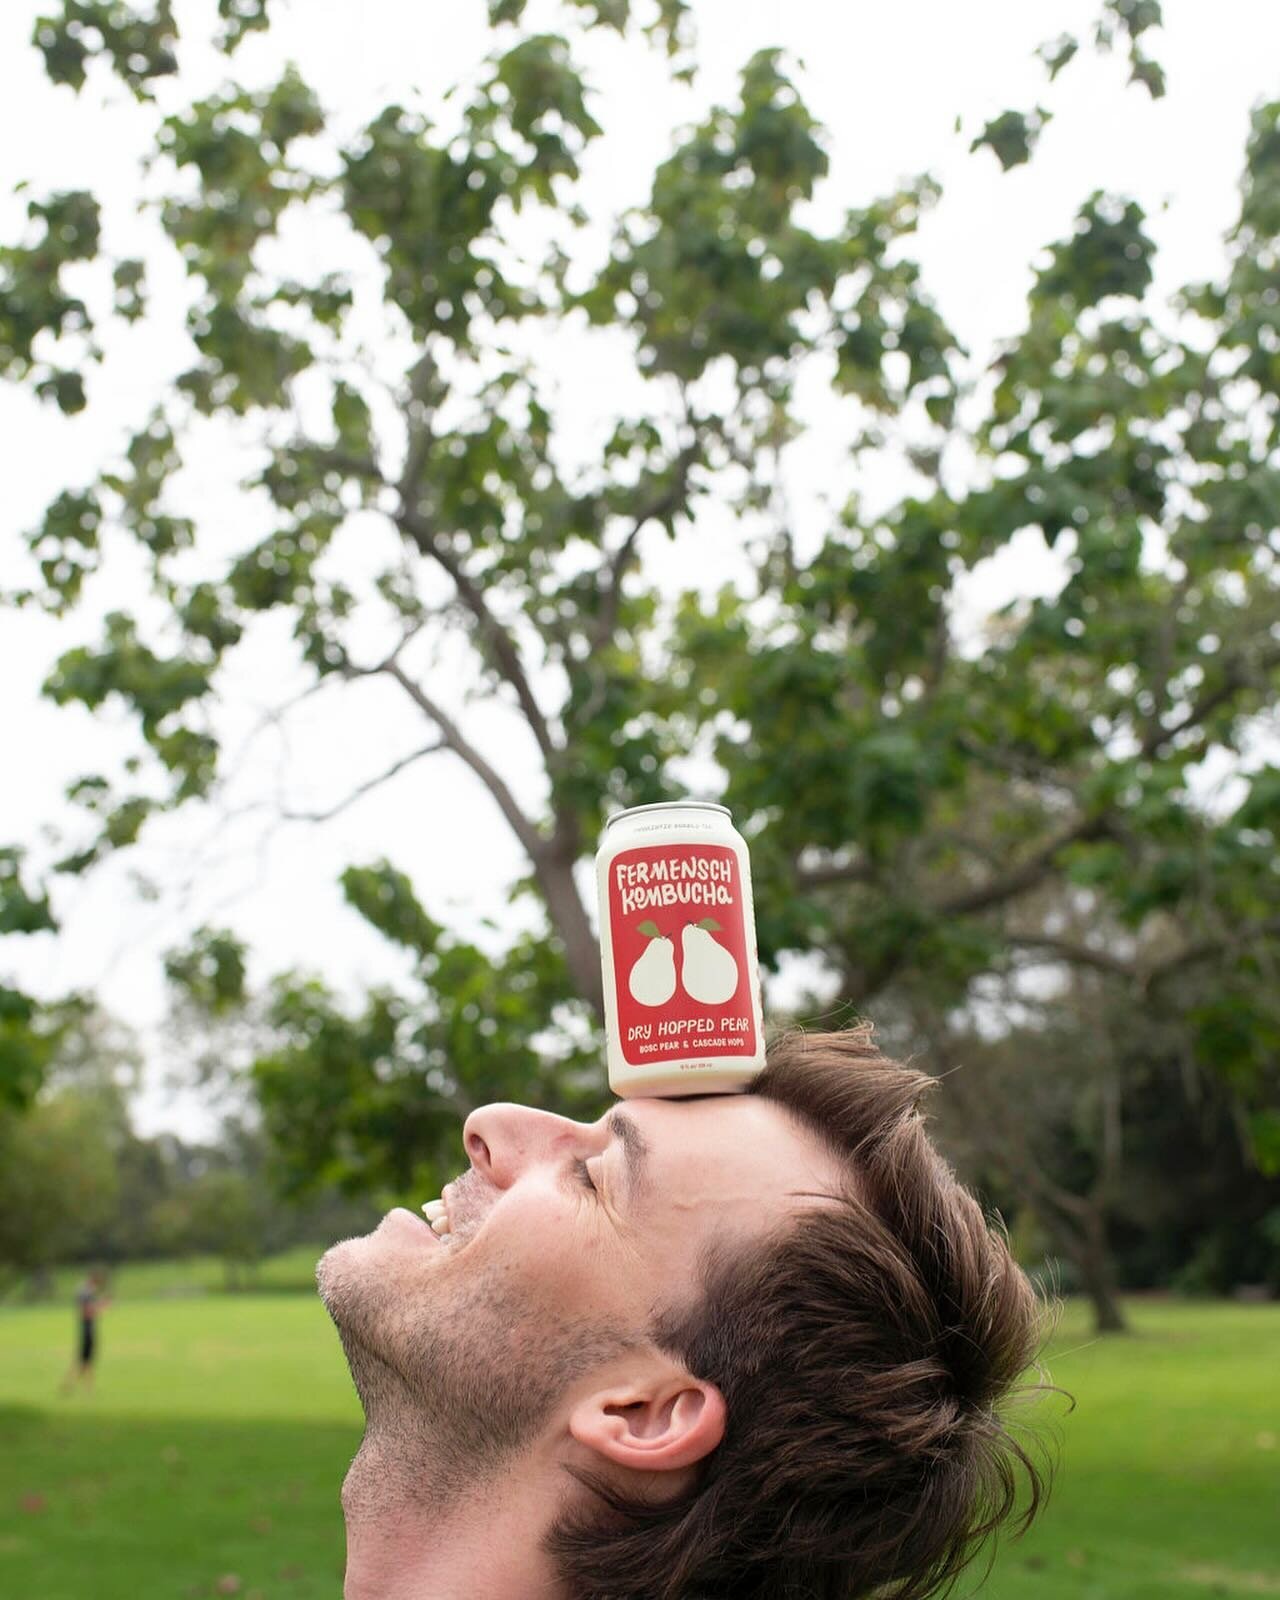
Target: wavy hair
864,1353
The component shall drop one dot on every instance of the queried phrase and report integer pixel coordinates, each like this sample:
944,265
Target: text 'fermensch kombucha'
678,947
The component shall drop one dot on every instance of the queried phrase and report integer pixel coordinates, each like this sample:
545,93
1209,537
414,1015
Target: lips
406,1220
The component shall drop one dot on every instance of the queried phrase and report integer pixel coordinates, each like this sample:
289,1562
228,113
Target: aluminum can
678,948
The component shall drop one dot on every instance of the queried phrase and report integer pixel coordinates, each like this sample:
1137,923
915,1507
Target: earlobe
661,1430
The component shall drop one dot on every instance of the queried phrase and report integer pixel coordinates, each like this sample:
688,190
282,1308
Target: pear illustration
652,980
709,972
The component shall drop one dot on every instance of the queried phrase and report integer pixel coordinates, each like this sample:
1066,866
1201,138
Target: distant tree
28,1031
1094,1116
216,1214
57,1176
913,805
60,1151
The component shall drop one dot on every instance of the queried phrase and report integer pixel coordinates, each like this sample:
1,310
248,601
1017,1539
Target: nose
504,1140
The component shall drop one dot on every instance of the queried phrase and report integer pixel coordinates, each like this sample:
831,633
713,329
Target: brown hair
861,1354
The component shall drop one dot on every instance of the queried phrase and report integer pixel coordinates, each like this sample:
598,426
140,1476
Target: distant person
90,1302
736,1347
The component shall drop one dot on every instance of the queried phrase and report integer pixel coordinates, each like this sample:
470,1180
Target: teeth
434,1212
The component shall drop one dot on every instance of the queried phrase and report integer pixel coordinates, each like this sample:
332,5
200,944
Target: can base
668,1086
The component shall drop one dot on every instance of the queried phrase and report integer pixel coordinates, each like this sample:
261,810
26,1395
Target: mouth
438,1216
407,1220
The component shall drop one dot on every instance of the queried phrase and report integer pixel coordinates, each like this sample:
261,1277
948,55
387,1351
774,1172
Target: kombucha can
678,948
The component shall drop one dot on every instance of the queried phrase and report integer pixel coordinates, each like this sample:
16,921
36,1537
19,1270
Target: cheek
554,1259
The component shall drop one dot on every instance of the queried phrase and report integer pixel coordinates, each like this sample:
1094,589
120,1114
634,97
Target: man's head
763,1334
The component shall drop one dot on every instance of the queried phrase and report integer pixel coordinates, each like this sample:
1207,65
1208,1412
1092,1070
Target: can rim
667,805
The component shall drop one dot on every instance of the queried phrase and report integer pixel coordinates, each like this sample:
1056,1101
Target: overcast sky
888,83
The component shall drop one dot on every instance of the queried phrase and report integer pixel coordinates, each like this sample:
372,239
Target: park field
208,1461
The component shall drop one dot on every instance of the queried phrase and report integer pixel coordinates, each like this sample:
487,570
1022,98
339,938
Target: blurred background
428,429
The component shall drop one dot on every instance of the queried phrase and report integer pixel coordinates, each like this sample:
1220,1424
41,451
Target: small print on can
678,950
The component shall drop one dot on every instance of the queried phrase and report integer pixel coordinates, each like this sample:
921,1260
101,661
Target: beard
458,1372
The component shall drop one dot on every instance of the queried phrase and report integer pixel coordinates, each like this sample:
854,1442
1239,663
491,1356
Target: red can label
681,964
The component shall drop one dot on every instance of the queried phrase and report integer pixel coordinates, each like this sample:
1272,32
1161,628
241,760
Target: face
567,1239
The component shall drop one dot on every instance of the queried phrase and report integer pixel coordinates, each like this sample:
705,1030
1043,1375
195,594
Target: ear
653,1425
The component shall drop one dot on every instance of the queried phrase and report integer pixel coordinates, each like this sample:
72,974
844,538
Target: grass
209,1459
290,1272
1170,1462
210,1453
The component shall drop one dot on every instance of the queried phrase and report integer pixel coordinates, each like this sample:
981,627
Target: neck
412,1540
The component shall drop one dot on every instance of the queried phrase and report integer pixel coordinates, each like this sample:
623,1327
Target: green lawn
293,1271
209,1459
1168,1485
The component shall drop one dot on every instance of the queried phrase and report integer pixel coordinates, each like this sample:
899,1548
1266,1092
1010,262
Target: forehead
741,1154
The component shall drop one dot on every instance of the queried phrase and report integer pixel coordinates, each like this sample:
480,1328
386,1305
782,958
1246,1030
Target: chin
339,1275
362,1280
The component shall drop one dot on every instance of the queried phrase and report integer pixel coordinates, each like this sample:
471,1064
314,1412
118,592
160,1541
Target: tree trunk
1082,1240
569,918
1097,1277
1075,1223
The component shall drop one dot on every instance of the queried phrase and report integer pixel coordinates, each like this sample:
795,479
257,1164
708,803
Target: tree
1094,1117
61,1151
57,1176
216,1214
78,1183
371,1103
28,1031
916,809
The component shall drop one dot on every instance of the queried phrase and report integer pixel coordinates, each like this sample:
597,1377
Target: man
90,1303
734,1346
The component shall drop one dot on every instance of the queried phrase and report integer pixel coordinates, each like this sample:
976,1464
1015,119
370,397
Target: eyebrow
635,1152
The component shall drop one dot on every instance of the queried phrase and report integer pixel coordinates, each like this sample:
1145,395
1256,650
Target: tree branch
365,788
426,391
823,877
1076,955
606,619
662,504
453,737
1205,949
272,717
1239,672
1145,975
505,655
1035,868
1014,765
1002,1137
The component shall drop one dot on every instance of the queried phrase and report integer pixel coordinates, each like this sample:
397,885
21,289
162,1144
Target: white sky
888,83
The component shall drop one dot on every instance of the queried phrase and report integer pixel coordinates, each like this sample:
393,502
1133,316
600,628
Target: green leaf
210,971
1013,136
21,911
1058,53
139,48
1107,254
1264,1136
1149,73
385,898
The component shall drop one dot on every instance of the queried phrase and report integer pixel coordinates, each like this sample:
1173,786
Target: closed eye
584,1177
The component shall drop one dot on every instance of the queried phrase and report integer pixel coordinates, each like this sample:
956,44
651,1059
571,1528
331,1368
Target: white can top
667,805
